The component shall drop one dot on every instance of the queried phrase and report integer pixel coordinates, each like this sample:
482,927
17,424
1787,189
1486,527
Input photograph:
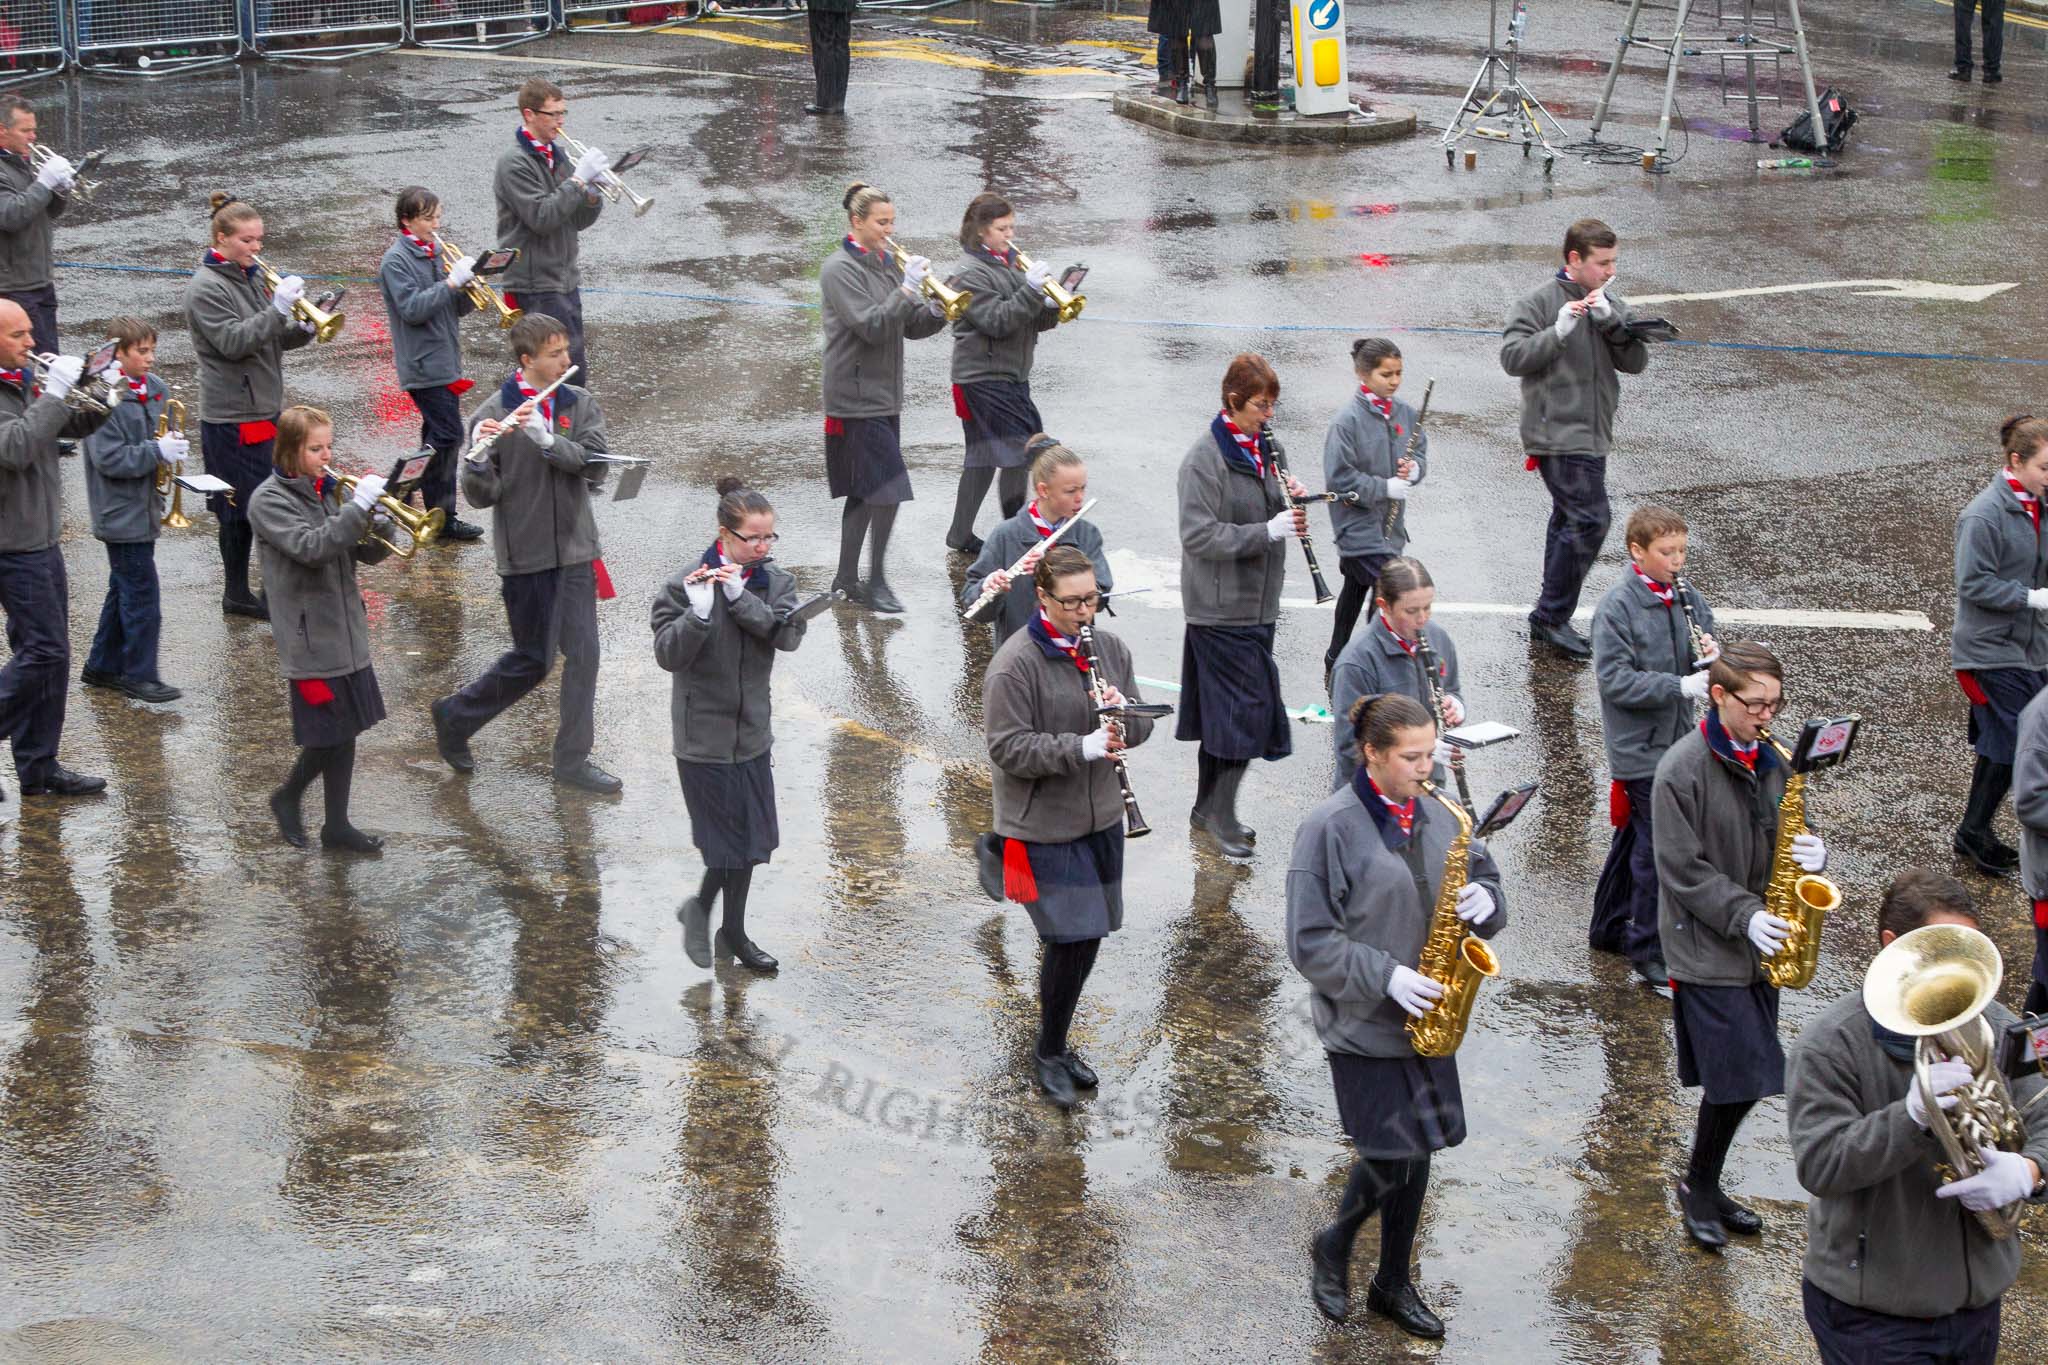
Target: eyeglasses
1092,600
759,542
562,112
1759,708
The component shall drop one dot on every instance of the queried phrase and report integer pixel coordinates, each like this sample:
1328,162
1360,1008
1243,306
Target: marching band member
1999,645
121,463
870,307
240,332
426,303
31,200
312,536
1235,525
1716,797
1366,452
1387,657
34,592
538,475
1058,806
1649,684
1059,479
2030,804
1368,867
545,198
1897,1267
717,627
993,347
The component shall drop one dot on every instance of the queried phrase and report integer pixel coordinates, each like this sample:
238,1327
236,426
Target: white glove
538,430
1768,932
1413,991
1944,1077
1441,754
1454,709
592,166
935,308
369,488
1038,276
1597,304
172,449
306,327
1711,653
1397,490
1694,686
1281,526
1095,744
115,395
56,174
916,270
461,273
2006,1177
1567,319
289,291
62,376
2037,599
1475,904
700,598
734,586
1809,852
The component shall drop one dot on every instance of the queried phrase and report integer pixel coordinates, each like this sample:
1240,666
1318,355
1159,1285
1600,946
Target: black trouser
550,611
41,304
831,54
1994,43
441,428
131,619
1578,527
1848,1335
37,599
1626,922
566,309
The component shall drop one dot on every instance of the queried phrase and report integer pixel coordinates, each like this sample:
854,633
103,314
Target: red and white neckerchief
1402,811
1248,444
746,570
1038,523
1383,406
855,245
526,390
426,248
1745,754
1399,639
1663,592
138,387
1000,257
2027,500
14,377
546,150
1070,648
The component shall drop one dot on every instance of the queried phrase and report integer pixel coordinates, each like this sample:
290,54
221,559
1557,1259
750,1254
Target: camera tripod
1522,114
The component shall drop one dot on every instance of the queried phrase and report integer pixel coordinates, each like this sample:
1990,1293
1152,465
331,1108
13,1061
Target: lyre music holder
1522,114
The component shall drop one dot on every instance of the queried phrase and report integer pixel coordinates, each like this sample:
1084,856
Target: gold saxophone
1451,957
1801,899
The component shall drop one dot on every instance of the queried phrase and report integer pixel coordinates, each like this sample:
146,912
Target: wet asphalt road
468,1100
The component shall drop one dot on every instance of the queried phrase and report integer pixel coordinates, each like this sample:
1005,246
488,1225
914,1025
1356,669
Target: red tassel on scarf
1018,883
461,386
1529,463
256,433
2041,914
1617,804
1971,687
314,691
605,591
834,427
960,404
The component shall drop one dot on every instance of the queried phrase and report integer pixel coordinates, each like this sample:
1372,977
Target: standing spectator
1994,39
831,53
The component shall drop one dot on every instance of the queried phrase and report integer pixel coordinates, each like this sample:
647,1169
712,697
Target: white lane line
1870,289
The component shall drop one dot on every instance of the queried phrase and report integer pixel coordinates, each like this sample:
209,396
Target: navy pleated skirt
732,811
998,417
1995,721
227,458
1080,886
864,459
357,704
1398,1107
1727,1040
1230,693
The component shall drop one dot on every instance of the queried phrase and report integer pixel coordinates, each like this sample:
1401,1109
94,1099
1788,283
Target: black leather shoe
880,598
1406,1309
1562,638
824,109
1993,78
1181,93
349,839
1083,1074
454,749
2000,851
250,607
143,689
1054,1080
462,530
1654,973
591,778
1702,1220
1959,73
988,864
1736,1217
1329,1282
1973,852
696,920
286,812
853,594
63,782
971,548
1209,95
744,951
93,677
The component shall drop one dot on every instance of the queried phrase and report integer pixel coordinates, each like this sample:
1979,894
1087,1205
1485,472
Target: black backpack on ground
1835,113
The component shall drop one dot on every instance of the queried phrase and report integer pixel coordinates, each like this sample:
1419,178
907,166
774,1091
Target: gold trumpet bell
173,493
326,326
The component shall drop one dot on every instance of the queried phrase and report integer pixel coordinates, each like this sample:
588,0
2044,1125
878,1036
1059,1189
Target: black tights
735,882
236,538
974,487
1208,769
863,521
1351,600
1204,50
335,765
1062,971
1393,1188
1711,1140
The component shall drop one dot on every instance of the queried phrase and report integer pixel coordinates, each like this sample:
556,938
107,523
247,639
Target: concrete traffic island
1234,121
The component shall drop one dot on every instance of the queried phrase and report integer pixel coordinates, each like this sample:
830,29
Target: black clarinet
1427,656
1134,819
1308,549
1695,638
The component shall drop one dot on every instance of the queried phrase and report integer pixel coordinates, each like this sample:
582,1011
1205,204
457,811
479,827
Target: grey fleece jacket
999,334
541,498
1999,556
718,704
310,546
867,317
120,470
1005,546
1641,650
1230,571
426,335
1716,826
28,220
1361,451
1034,712
1354,913
1569,389
1374,663
240,341
31,484
1876,1235
2030,796
540,212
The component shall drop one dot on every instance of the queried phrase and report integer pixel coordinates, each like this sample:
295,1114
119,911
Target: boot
1182,89
1231,838
1974,841
1209,93
1701,1218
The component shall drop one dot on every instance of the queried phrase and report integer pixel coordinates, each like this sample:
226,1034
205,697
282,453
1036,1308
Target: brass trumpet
326,325
173,420
81,189
953,301
421,528
480,293
1070,303
92,393
610,185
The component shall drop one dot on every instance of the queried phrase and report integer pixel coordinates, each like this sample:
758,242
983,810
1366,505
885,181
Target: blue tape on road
1352,328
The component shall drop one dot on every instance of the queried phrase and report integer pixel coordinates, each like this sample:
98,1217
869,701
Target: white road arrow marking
1869,289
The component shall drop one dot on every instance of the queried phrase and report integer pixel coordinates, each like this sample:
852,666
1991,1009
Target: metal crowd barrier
358,26
32,40
478,25
154,37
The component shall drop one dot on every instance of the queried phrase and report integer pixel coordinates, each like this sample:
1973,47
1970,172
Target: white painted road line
1869,289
